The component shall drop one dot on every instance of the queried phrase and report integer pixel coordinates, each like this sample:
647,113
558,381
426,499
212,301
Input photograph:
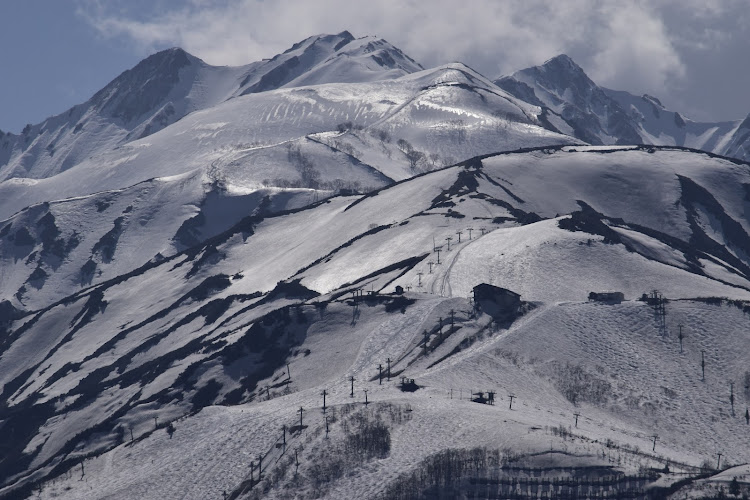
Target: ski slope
221,322
653,390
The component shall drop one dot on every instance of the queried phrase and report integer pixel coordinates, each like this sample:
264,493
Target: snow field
211,451
605,358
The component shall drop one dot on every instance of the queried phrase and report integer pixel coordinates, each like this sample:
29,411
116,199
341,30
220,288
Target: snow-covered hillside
262,318
158,91
329,59
293,144
262,281
51,250
577,106
449,103
169,85
552,357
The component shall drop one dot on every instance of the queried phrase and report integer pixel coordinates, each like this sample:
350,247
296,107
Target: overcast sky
691,54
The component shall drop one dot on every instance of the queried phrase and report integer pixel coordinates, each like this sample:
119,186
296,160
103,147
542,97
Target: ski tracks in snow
392,338
442,281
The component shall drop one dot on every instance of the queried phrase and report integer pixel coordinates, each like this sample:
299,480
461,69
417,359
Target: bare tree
309,176
415,158
381,135
448,161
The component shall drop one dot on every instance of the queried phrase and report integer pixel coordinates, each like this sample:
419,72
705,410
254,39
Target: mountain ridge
292,145
315,227
578,106
173,337
168,85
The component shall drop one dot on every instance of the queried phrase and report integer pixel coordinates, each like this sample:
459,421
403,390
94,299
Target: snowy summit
338,274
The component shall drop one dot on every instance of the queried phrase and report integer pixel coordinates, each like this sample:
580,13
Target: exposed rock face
575,105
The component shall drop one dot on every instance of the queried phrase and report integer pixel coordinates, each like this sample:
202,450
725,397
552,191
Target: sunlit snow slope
169,85
286,146
221,323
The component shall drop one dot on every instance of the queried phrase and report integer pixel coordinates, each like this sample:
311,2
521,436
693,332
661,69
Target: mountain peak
745,124
576,104
139,89
562,62
652,99
171,51
328,58
556,75
340,39
172,55
560,75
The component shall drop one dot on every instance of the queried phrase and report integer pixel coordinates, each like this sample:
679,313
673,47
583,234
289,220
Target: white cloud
622,44
637,55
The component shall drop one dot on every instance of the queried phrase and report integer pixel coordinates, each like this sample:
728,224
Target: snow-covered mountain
577,106
329,59
263,151
263,317
168,85
158,91
193,257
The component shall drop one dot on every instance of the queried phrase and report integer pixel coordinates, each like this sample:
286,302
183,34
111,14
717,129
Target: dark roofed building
500,303
609,297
